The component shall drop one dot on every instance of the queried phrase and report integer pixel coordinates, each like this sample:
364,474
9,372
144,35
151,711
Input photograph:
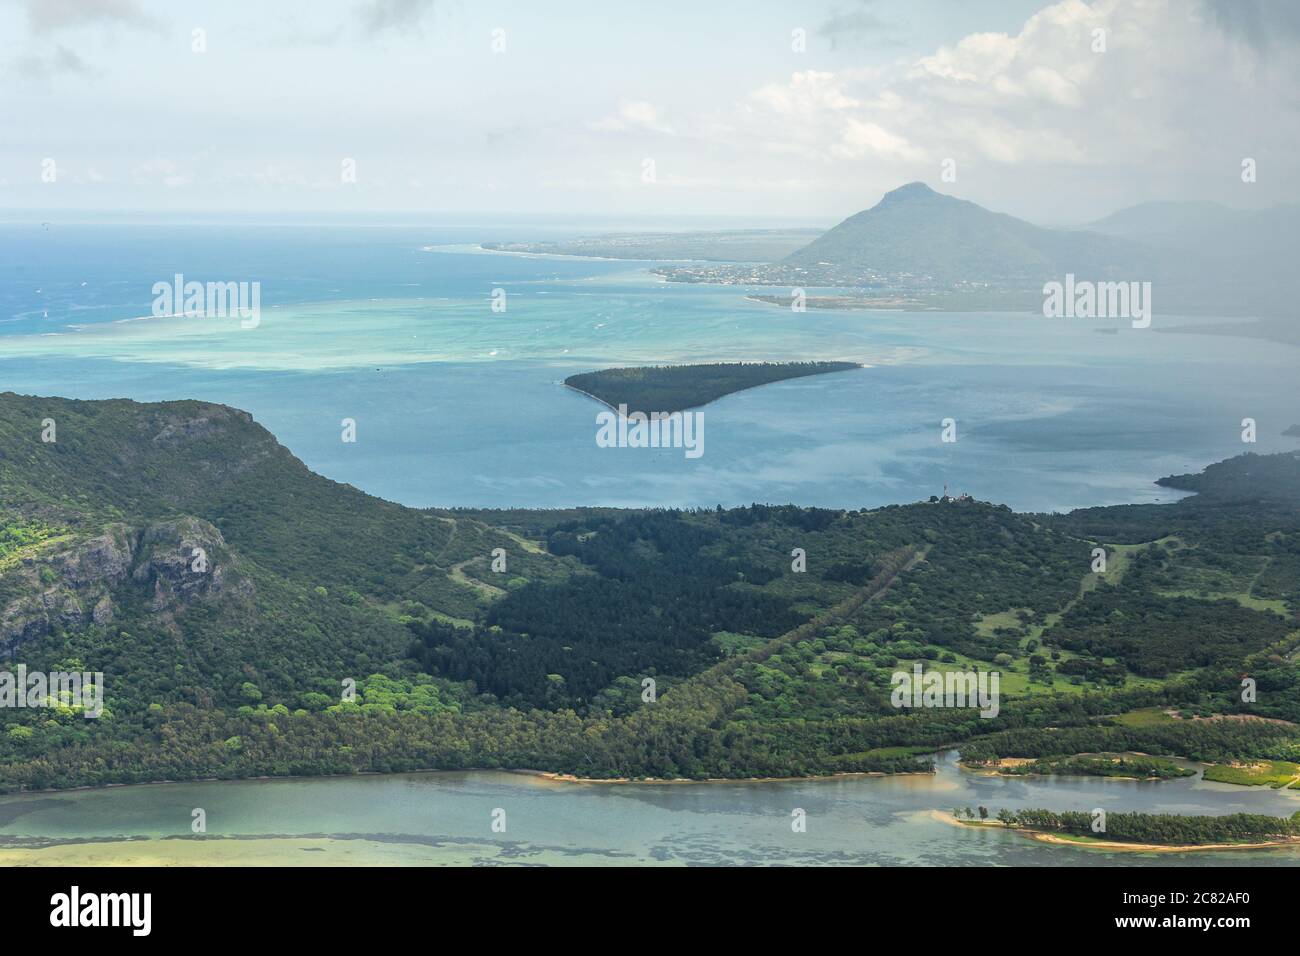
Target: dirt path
457,574
873,589
450,538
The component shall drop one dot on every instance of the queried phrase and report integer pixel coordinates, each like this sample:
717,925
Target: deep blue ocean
456,404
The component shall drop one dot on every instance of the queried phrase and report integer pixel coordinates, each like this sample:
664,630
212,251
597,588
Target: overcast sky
112,96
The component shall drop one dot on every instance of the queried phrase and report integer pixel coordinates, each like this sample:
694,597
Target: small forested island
674,388
1144,831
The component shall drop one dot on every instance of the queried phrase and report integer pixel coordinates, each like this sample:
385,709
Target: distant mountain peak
916,190
917,235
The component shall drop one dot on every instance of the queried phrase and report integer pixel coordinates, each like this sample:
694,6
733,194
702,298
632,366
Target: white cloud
975,59
869,139
806,92
634,115
1040,96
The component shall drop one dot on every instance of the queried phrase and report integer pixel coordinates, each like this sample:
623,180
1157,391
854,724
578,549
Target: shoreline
999,769
1057,839
748,388
456,248
479,247
550,775
860,304
677,781
589,395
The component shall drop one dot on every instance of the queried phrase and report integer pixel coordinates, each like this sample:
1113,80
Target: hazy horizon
569,221
768,113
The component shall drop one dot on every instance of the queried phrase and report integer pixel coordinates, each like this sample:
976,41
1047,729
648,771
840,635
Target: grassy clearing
1243,598
1144,717
1015,678
1277,774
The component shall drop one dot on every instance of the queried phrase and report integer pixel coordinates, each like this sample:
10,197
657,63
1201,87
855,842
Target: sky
776,111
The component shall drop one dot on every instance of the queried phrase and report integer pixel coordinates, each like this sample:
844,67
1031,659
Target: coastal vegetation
1135,766
331,632
1204,740
1278,774
1167,829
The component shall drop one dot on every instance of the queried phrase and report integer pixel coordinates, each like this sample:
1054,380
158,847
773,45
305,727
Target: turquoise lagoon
456,404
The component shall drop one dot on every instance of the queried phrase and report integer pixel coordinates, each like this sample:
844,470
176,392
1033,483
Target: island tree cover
673,388
1169,829
331,632
1134,766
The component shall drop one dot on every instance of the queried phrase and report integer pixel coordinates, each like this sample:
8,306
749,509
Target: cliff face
181,550
118,510
178,560
74,581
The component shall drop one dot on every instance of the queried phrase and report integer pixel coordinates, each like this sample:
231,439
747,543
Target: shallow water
458,405
446,818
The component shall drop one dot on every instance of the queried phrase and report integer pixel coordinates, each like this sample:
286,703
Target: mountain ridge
915,230
920,249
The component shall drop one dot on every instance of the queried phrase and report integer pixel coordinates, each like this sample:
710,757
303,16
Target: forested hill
305,576
753,641
1245,478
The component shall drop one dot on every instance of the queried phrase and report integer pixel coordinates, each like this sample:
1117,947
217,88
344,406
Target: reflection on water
445,818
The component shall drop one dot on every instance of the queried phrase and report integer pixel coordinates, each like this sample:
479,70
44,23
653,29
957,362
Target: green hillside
600,642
